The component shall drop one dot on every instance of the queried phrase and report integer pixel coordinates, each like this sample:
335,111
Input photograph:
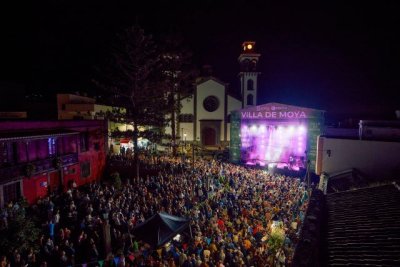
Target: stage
275,136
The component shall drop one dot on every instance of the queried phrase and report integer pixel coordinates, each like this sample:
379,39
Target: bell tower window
250,85
250,100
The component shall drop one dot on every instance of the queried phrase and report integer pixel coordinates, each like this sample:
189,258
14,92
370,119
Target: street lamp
184,136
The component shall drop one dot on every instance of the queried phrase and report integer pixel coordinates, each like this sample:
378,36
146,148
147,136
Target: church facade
205,115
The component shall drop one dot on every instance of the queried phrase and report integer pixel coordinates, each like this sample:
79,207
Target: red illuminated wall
35,186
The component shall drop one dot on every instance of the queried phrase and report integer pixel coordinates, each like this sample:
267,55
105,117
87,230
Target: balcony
8,173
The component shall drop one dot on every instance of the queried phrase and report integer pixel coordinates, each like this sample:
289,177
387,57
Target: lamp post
184,136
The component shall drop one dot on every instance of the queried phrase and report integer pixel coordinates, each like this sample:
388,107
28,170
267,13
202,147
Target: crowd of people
233,212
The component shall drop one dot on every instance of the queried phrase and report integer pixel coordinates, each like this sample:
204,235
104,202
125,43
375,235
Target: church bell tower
248,74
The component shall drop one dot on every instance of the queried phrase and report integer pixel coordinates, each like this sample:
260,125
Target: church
205,116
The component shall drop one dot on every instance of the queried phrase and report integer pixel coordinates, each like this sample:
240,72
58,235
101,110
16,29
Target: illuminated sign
279,111
273,115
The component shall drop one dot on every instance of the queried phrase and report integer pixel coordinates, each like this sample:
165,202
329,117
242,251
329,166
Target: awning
30,135
124,140
160,229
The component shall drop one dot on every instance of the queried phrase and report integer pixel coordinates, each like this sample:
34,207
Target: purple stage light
272,144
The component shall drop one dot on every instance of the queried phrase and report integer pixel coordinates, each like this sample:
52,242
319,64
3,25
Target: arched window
253,65
250,99
250,85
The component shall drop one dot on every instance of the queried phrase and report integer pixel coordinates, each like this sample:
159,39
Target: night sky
342,58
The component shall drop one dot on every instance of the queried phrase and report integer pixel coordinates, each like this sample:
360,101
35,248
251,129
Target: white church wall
186,128
187,105
210,88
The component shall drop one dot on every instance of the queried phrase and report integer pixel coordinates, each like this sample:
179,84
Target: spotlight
302,129
271,165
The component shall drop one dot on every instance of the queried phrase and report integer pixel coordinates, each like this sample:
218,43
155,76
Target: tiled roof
363,227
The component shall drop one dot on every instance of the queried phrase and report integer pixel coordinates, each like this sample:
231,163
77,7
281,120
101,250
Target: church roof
231,93
201,80
235,94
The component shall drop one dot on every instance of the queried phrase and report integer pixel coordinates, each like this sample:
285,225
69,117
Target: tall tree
132,79
178,78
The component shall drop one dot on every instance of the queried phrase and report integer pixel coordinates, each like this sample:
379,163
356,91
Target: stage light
302,129
271,165
291,129
262,128
253,128
280,128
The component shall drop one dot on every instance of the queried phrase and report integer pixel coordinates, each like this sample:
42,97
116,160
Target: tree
21,232
178,78
131,79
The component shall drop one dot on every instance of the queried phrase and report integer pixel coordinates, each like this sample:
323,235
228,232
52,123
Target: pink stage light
267,144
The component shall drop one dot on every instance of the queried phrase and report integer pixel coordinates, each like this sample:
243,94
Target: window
51,142
85,169
253,65
11,192
84,141
211,103
14,152
250,99
250,85
96,146
3,153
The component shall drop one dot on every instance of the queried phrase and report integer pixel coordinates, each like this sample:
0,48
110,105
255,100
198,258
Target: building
77,107
205,115
72,107
37,157
371,150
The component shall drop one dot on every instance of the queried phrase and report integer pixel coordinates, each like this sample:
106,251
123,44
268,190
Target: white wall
187,105
374,158
188,130
233,104
204,90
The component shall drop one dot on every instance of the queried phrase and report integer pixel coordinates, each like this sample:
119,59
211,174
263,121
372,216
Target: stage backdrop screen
278,143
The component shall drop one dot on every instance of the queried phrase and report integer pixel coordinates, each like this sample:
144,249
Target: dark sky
340,57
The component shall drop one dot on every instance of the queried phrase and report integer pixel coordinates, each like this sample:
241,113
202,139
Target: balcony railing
9,173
